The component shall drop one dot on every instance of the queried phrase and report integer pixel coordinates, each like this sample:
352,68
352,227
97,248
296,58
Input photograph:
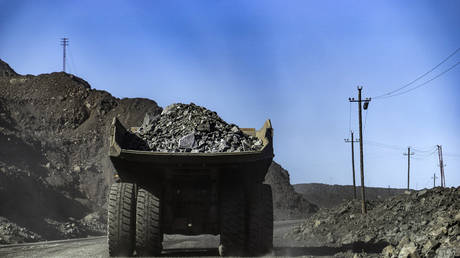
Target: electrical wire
451,155
427,150
383,145
423,84
426,155
418,78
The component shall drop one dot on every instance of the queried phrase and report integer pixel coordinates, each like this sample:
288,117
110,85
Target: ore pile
11,233
191,128
422,223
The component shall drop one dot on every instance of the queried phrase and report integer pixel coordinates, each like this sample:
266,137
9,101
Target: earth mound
287,203
54,167
422,223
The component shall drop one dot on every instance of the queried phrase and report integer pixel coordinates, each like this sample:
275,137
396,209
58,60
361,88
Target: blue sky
295,62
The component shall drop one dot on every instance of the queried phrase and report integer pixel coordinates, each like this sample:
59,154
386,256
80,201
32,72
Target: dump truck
159,193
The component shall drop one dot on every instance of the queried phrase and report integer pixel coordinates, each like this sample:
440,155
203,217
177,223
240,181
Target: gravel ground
417,223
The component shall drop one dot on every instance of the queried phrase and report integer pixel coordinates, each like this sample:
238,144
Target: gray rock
457,217
445,252
408,250
187,128
187,141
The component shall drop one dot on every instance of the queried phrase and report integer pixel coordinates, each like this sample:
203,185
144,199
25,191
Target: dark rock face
191,128
54,167
5,70
287,203
422,223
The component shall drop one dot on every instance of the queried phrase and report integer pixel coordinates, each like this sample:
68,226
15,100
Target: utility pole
434,180
366,104
441,166
64,44
408,165
353,161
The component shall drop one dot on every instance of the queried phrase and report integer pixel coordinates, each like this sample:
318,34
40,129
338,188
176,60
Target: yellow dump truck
160,193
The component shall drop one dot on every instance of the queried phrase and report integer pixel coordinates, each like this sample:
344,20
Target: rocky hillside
327,196
54,167
5,70
422,223
288,204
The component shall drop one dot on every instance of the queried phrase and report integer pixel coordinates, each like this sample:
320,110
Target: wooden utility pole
64,44
408,165
441,166
434,180
353,161
366,104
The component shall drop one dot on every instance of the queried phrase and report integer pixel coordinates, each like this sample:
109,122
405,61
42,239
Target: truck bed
124,158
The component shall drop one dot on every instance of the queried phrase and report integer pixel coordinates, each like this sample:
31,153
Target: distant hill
327,196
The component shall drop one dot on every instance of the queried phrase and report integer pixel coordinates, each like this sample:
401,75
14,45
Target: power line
427,155
427,150
423,84
418,78
383,145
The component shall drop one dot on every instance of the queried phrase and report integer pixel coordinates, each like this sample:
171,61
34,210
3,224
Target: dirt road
174,245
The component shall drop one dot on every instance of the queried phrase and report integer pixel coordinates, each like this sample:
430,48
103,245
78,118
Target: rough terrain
418,223
328,196
287,203
174,246
54,166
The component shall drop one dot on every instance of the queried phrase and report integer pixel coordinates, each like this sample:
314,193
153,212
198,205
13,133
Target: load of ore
191,128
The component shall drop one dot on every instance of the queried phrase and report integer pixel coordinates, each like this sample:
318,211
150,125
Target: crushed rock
420,223
191,128
11,233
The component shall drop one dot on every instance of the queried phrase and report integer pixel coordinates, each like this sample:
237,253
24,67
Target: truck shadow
357,247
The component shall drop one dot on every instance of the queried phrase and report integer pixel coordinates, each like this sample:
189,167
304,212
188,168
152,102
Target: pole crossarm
358,100
348,140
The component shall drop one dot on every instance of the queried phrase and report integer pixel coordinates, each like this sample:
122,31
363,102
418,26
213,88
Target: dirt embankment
422,223
54,166
287,203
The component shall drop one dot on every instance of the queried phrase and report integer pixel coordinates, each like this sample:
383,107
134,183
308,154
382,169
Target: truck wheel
121,218
149,236
260,220
232,221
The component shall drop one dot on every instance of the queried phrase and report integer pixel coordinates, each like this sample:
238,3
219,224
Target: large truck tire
260,220
232,221
149,236
121,219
